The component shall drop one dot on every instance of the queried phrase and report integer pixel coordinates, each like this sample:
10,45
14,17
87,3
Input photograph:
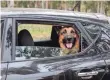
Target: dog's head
67,37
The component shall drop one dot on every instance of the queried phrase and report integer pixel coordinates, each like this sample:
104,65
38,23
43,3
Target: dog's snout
69,39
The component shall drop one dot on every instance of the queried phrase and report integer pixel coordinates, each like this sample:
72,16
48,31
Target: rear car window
35,40
42,40
92,29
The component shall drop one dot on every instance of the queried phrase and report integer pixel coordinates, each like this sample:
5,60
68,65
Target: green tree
3,3
90,6
55,4
107,8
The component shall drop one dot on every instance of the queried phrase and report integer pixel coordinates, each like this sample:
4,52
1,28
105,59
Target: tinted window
92,29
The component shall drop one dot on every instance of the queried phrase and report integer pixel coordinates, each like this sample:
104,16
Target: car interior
25,38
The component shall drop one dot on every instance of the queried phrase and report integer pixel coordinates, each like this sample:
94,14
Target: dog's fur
68,40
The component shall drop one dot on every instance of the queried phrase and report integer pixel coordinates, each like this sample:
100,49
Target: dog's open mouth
69,45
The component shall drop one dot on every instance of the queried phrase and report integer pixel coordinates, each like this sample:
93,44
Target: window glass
92,29
35,52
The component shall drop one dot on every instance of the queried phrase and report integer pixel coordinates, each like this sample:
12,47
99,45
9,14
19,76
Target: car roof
33,11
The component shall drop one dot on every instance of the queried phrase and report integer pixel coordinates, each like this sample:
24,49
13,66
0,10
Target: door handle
92,73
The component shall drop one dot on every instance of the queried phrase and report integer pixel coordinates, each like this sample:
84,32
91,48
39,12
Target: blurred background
81,6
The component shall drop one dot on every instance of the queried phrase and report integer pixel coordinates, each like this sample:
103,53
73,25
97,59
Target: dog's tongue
69,45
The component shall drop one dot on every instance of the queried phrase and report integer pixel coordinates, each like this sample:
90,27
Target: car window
92,29
42,40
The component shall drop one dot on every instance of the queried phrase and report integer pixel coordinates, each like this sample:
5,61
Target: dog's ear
57,28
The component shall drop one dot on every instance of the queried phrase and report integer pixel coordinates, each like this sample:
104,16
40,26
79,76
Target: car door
105,48
3,69
87,64
29,69
95,67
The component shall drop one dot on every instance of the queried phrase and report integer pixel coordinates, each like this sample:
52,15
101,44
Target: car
35,54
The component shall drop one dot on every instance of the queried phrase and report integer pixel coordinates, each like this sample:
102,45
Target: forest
81,6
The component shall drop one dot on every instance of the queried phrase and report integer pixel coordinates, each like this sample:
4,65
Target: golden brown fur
68,31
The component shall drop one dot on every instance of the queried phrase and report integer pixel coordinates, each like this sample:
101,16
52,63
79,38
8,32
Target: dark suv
35,55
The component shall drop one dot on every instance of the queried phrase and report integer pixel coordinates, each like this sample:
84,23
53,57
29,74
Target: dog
68,40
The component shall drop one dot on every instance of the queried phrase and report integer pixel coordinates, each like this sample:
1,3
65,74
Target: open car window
41,40
38,32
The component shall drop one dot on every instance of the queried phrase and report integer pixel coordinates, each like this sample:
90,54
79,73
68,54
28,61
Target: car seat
25,38
54,37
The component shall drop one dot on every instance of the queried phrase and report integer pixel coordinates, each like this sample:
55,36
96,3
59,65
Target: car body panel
47,68
3,69
17,11
7,40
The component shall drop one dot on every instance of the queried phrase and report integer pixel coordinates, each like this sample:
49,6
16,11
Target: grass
38,31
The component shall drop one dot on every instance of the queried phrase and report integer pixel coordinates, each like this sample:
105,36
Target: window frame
4,50
47,20
2,32
78,24
2,27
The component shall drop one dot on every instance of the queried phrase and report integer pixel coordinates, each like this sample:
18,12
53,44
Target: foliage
85,6
3,3
56,4
90,6
38,31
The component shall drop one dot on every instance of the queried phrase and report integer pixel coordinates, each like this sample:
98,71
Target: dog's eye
64,32
72,31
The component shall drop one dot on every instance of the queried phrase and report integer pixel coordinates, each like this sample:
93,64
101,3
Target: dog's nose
69,39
